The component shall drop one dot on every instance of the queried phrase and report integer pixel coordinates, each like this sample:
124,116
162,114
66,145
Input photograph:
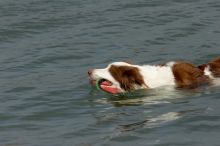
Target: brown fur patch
127,76
214,67
189,76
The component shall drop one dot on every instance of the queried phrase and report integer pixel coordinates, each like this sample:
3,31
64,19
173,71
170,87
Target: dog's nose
90,72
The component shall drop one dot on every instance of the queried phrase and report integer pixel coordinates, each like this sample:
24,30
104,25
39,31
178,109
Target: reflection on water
159,120
149,96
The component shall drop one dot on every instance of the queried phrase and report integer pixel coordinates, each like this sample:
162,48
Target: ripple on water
48,46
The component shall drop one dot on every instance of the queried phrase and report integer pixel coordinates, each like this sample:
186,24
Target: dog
121,77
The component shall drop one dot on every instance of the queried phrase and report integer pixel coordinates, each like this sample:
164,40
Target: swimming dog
120,77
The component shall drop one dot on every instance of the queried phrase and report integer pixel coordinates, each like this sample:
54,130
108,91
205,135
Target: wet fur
127,77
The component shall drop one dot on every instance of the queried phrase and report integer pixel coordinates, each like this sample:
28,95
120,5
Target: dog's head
117,77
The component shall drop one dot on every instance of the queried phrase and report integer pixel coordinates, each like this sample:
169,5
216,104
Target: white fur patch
171,63
104,74
156,76
207,72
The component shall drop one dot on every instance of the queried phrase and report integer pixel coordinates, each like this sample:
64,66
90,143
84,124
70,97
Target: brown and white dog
120,77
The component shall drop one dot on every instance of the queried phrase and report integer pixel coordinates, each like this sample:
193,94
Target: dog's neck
155,76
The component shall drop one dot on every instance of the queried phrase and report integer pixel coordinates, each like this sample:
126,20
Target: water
47,46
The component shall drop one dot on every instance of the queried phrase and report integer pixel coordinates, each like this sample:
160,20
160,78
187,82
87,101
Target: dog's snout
90,72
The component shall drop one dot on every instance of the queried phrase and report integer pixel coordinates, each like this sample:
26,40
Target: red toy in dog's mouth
106,86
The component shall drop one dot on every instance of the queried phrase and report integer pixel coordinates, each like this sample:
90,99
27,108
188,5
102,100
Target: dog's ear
127,76
131,77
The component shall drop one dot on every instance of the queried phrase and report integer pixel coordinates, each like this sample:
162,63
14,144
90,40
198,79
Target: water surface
48,46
